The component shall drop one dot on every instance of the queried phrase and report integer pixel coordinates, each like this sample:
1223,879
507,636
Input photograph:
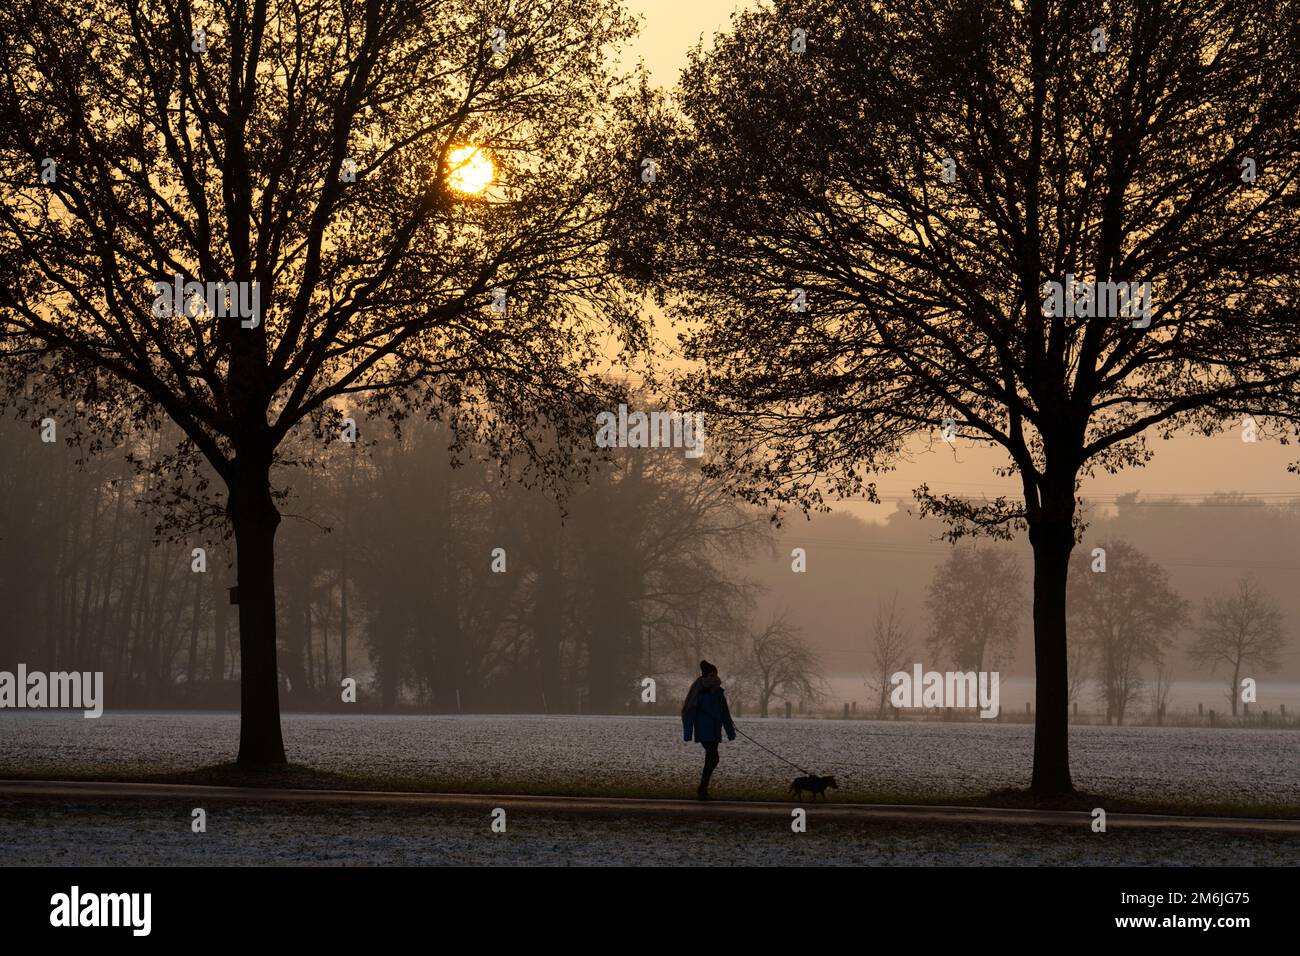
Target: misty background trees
889,651
386,575
1243,628
976,602
1127,616
85,584
776,660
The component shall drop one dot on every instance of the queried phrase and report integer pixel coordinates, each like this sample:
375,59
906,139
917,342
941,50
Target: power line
1253,499
1021,556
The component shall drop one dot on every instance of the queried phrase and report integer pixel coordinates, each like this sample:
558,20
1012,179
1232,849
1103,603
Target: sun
471,170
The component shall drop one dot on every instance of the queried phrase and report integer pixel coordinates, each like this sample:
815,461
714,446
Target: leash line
806,773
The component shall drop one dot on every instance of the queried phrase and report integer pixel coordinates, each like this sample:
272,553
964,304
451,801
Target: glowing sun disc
471,170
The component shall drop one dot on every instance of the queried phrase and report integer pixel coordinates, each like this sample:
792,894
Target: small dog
814,785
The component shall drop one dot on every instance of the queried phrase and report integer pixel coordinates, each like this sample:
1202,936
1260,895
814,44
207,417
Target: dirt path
861,813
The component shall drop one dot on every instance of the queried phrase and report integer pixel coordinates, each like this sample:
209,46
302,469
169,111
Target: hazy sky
671,27
1185,465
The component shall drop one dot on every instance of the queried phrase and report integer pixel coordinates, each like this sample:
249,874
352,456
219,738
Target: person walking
705,716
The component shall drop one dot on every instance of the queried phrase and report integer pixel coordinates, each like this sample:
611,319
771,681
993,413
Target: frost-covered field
150,833
637,754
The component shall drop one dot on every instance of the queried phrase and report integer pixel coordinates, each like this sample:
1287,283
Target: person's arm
727,725
689,709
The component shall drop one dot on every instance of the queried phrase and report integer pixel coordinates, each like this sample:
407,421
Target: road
828,810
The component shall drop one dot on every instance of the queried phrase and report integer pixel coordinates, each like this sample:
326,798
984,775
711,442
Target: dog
814,785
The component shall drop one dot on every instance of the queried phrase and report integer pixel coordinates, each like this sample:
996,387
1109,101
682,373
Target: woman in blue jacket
706,714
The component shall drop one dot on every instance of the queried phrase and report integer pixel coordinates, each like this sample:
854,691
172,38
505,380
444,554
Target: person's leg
710,761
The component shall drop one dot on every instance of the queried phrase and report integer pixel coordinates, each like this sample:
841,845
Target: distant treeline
388,572
385,574
1206,547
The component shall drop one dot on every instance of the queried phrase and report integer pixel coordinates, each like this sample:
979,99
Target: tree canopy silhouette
859,221
976,604
1240,630
310,147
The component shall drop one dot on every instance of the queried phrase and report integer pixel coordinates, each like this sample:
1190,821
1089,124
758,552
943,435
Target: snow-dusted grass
157,832
646,755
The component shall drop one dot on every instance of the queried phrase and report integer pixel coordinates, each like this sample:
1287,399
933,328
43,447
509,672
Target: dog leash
806,773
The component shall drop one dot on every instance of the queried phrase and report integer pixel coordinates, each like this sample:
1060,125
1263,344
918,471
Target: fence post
788,708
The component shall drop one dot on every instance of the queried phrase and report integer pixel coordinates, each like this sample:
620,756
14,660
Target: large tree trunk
1052,537
254,517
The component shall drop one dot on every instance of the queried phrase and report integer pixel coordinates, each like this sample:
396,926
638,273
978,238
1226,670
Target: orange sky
671,27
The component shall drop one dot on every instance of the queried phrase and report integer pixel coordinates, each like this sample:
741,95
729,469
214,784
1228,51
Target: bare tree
1162,684
776,660
1079,661
903,230
890,648
976,604
1128,615
1241,630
